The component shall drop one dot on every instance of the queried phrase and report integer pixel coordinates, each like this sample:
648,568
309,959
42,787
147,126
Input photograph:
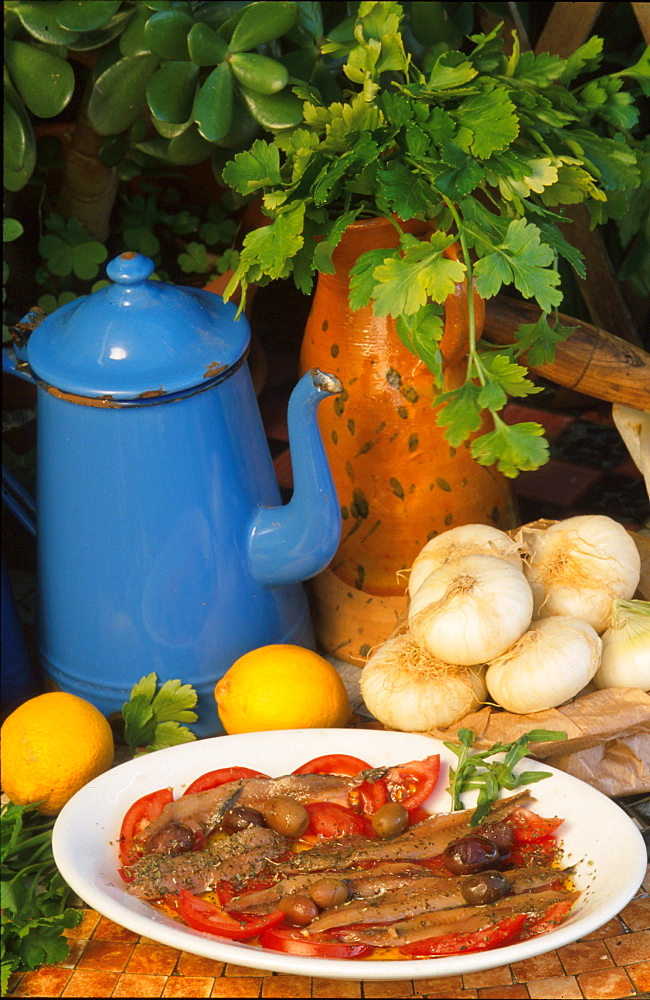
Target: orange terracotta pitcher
399,481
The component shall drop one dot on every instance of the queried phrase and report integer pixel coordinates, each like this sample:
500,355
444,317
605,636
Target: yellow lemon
281,687
50,747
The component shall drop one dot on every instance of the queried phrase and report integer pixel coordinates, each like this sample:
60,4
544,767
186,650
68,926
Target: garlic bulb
578,566
550,664
464,540
407,689
625,659
471,609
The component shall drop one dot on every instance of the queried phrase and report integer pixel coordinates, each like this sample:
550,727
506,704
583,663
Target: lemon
281,687
51,746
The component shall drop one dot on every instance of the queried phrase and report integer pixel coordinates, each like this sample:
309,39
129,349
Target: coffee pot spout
294,542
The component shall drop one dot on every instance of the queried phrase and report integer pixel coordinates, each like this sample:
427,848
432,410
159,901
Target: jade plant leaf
119,94
274,111
213,106
259,73
19,142
171,89
132,40
205,46
166,33
40,20
189,147
44,80
262,22
76,15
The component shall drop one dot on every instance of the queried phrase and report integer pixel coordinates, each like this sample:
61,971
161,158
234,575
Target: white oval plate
598,837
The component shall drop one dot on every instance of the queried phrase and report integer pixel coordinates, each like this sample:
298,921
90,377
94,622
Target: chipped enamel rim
598,837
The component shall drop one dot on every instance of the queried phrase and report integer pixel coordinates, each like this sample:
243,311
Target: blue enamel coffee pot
162,541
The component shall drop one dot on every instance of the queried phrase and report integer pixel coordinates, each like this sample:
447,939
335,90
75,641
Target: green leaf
520,447
538,340
258,73
253,169
523,259
170,91
325,247
170,734
271,247
44,80
451,69
173,701
213,106
188,147
461,414
77,15
615,163
362,280
490,117
40,19
206,47
586,58
415,272
119,94
421,334
274,111
11,230
19,143
262,22
166,33
402,192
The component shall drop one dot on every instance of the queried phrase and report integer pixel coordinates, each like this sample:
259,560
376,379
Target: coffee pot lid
137,338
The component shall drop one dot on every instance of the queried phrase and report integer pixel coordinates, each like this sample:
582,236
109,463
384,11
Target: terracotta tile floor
108,961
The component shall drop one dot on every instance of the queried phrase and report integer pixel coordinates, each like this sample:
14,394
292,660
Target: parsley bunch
34,895
486,145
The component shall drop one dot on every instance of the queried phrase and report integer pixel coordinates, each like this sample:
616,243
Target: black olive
390,820
484,887
501,834
175,838
469,855
240,818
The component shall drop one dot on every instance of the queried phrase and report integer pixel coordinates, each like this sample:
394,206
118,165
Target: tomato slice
329,819
412,783
546,921
534,853
334,763
202,915
295,942
528,826
504,932
137,818
212,779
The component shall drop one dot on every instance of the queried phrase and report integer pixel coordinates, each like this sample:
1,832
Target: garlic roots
407,689
578,566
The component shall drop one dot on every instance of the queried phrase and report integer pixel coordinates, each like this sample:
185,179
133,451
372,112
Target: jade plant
488,145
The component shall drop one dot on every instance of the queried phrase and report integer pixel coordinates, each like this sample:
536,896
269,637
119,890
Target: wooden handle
591,360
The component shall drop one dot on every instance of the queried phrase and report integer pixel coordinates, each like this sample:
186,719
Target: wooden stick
591,360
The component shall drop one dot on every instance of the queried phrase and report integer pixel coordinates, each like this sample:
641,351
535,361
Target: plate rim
140,918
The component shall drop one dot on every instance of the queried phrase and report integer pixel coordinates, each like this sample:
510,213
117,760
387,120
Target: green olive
286,816
299,910
328,892
390,820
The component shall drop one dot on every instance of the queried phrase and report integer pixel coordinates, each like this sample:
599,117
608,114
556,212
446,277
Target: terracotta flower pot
399,481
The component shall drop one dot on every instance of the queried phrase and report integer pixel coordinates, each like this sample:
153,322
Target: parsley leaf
515,448
152,716
521,258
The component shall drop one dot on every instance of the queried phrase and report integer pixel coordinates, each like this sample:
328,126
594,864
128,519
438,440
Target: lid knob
130,268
